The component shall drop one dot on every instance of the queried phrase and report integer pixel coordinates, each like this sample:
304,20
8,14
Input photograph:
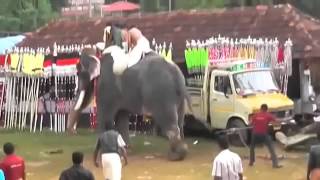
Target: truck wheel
235,139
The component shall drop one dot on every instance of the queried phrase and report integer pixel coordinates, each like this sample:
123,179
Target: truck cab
227,98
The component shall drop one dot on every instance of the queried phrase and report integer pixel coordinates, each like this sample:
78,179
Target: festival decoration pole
18,92
42,101
47,66
288,62
220,51
8,91
153,44
61,91
168,55
22,101
8,95
187,57
55,53
156,48
159,49
194,54
5,84
33,91
38,73
163,51
27,70
14,66
42,87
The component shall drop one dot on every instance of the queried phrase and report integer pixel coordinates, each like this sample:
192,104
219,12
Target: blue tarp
9,42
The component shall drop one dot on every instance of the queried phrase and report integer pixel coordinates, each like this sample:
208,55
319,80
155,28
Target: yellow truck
228,98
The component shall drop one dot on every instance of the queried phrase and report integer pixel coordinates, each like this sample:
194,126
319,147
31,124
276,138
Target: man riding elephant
140,45
149,86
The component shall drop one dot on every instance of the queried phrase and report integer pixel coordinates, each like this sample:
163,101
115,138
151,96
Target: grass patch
197,165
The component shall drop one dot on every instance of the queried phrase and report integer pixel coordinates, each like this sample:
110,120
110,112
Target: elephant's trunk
84,98
73,121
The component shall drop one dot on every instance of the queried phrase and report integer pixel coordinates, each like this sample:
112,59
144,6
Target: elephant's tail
188,101
181,86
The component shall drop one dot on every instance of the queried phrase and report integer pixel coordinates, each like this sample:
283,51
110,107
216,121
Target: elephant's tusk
80,100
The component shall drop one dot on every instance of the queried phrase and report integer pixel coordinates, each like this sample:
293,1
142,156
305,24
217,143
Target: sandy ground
147,159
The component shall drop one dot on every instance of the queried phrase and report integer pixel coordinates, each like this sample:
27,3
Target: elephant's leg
105,117
181,114
167,119
122,125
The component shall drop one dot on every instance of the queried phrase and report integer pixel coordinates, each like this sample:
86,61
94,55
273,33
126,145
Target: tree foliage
24,15
58,4
27,15
309,6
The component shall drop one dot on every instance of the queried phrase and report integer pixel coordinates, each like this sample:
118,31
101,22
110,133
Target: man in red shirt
260,125
12,165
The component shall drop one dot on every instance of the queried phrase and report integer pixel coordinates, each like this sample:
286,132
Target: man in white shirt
227,165
111,147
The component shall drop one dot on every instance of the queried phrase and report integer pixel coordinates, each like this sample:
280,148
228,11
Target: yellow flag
14,62
163,53
38,66
169,56
25,57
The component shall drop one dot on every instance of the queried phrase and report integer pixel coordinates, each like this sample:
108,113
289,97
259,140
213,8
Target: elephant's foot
178,151
72,131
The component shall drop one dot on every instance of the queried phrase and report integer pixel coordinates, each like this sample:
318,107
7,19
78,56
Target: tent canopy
10,42
120,6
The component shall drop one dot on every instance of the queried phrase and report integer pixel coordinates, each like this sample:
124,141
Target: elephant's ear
120,59
91,64
94,67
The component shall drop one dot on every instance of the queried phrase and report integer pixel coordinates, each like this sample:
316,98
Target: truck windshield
254,82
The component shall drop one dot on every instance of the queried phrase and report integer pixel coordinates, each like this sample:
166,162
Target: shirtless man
138,44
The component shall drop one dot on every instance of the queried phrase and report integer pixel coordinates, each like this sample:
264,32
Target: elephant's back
160,80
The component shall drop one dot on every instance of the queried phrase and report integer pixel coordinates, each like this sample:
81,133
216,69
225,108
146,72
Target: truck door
221,99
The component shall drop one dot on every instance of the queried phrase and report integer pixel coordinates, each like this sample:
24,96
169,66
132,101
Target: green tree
58,4
24,15
44,12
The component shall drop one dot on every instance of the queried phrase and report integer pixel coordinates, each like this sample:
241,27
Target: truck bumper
289,121
286,124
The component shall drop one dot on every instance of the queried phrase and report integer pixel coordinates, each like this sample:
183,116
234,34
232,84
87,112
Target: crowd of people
110,146
111,149
227,165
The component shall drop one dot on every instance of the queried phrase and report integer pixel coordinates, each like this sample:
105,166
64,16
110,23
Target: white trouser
143,46
111,166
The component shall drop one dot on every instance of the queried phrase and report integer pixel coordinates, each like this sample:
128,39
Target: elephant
153,86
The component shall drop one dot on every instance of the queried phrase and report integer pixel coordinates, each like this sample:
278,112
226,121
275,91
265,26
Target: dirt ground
147,158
